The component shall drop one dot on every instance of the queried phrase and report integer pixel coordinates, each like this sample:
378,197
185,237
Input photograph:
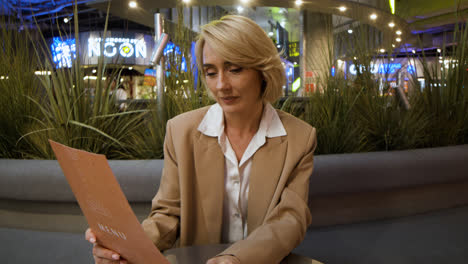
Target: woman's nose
222,82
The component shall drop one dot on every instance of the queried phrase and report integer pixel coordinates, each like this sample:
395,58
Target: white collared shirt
236,174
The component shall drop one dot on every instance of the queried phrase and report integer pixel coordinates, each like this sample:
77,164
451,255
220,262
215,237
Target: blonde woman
237,171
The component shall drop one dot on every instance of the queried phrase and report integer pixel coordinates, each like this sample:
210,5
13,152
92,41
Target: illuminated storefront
117,48
125,50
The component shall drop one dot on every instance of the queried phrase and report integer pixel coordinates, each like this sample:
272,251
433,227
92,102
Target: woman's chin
230,108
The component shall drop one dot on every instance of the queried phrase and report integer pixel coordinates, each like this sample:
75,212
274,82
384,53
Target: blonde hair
241,41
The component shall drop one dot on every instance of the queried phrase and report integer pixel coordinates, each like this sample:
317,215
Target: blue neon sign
172,48
63,52
384,68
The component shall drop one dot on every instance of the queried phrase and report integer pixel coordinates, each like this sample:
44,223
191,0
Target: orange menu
104,205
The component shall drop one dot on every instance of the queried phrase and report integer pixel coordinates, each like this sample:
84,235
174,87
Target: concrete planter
344,188
43,180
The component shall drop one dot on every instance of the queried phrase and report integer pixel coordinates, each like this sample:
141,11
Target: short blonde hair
241,41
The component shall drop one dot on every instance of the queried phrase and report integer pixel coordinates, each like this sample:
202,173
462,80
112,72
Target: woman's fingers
101,254
90,236
105,253
98,260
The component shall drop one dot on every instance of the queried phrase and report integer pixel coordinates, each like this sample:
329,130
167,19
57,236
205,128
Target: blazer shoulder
293,124
189,119
301,136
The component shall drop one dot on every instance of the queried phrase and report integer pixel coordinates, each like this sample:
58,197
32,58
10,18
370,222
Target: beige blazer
188,207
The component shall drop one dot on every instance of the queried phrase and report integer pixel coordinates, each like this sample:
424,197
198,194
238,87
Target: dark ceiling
430,17
52,15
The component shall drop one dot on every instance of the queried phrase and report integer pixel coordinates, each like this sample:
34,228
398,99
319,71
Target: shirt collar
271,126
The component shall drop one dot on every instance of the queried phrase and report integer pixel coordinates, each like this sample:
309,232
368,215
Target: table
200,254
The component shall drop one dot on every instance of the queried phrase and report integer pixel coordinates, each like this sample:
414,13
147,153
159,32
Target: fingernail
92,240
115,256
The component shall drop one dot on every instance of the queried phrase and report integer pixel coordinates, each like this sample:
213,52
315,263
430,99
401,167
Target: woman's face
236,89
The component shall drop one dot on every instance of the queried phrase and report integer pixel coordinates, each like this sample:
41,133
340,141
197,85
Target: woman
237,171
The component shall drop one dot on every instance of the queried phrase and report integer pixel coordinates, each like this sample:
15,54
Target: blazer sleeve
285,226
162,225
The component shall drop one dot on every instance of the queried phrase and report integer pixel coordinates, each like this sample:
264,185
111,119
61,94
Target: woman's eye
210,74
236,69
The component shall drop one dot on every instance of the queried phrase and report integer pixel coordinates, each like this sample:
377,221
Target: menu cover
104,205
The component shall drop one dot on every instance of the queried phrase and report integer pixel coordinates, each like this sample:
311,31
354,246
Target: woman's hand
224,259
101,254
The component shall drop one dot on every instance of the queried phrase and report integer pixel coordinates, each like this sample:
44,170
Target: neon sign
125,47
392,6
171,48
384,68
63,52
296,84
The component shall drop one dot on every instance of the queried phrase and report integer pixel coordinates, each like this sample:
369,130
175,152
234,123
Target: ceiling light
245,1
398,32
240,9
414,51
440,58
132,4
382,50
391,24
342,8
350,31
439,50
398,39
270,34
65,20
393,45
355,58
373,16
186,1
298,2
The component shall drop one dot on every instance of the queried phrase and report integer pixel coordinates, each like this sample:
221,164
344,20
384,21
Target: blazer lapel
209,168
266,170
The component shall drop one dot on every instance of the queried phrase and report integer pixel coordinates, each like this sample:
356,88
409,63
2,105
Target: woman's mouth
229,99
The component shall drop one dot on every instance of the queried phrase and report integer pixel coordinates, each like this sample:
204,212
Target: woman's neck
243,124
